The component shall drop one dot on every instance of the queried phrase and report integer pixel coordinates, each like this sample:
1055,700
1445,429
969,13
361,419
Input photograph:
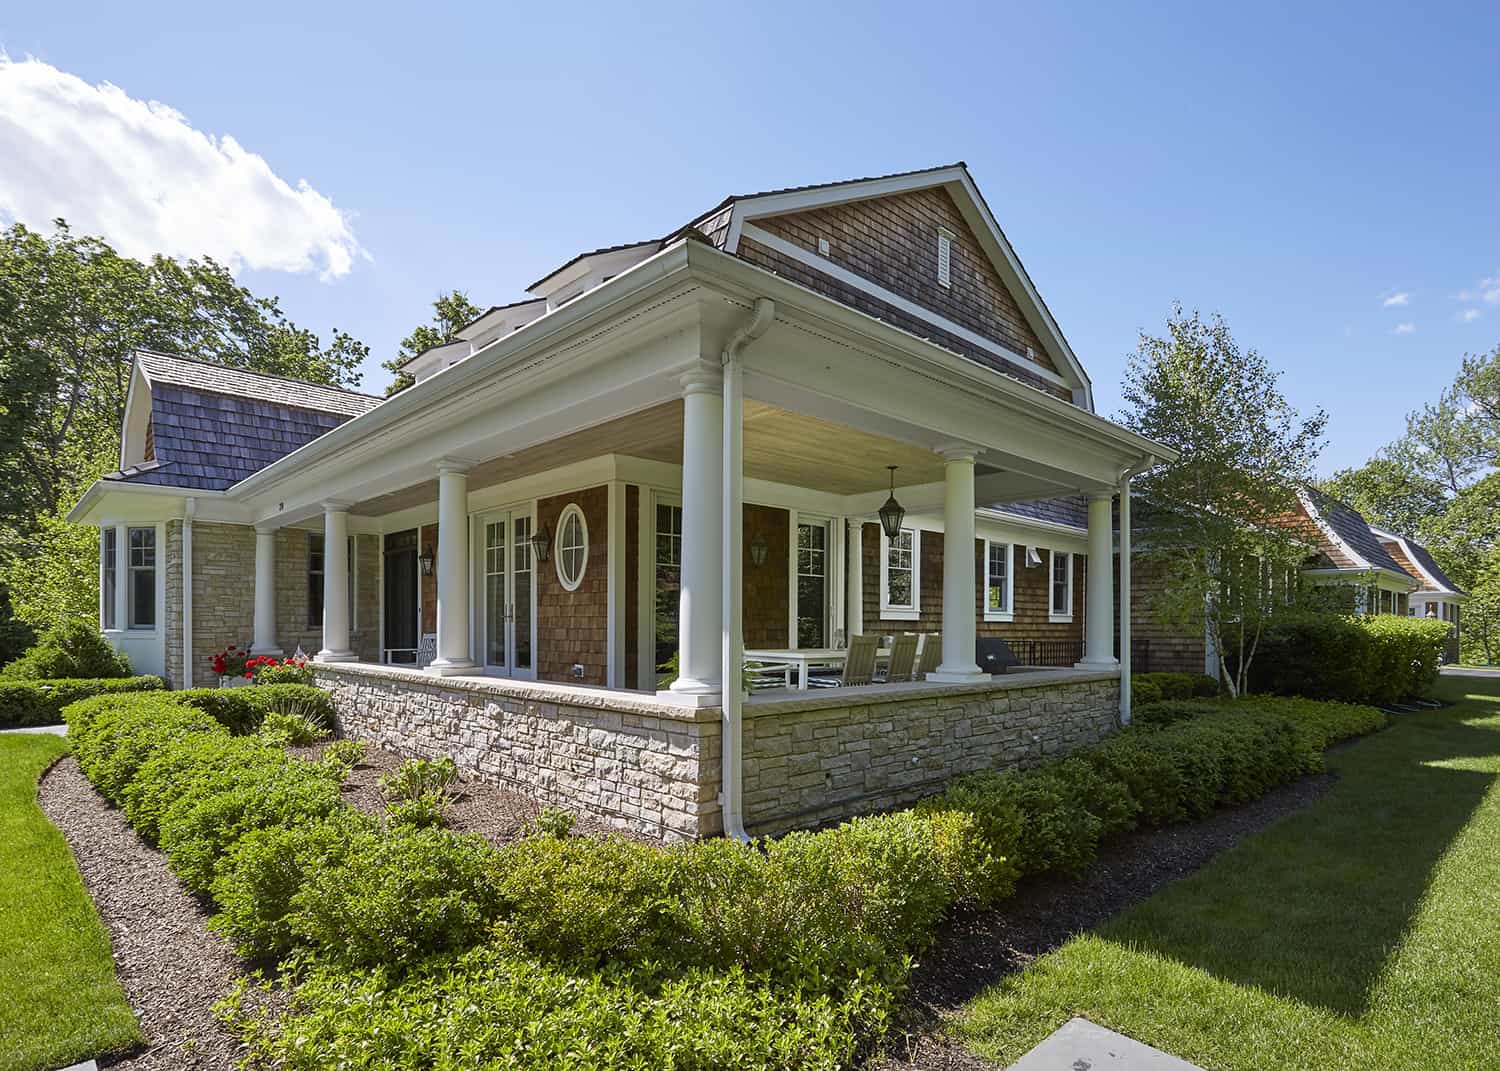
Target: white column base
691,699
449,667
335,656
271,652
958,676
1101,666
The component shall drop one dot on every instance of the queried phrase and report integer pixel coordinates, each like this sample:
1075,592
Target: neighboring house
544,515
1351,556
1436,596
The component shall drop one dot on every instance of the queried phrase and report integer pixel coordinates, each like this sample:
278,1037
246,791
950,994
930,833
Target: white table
804,659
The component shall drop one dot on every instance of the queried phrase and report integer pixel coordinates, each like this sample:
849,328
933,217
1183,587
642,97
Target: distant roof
1424,568
1070,510
240,382
212,426
1350,526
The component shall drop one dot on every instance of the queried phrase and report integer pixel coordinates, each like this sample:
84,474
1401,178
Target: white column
1099,595
453,647
1125,601
959,599
264,642
336,647
854,575
700,611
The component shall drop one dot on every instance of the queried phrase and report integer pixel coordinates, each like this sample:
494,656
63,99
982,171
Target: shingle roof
1350,526
1418,562
1424,559
238,382
1071,510
212,426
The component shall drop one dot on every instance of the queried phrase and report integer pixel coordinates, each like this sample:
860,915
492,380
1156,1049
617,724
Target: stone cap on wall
918,691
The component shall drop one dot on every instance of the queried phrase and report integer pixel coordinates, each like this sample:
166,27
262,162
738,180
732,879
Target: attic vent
945,258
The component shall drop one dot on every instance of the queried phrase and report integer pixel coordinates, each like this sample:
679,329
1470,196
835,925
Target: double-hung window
142,582
315,570
108,578
900,574
1060,586
998,581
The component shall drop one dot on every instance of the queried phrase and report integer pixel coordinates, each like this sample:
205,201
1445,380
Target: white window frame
131,569
109,569
572,509
1052,615
1009,613
901,613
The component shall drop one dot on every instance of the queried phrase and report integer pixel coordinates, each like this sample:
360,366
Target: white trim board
890,297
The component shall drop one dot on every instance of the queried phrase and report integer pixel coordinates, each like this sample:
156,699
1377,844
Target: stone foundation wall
654,768
646,767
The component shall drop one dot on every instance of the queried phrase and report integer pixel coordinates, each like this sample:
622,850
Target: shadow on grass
1313,908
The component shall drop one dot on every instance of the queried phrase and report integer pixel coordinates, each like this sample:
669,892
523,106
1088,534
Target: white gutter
1125,477
732,773
189,511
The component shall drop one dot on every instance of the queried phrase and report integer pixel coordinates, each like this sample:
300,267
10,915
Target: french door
508,610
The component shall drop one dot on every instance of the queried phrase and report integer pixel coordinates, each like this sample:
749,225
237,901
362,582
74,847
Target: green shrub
290,730
69,650
343,754
1406,654
398,895
550,822
1378,658
241,710
1170,712
486,1008
1320,724
28,703
1143,691
285,673
187,764
418,792
1178,685
267,868
113,735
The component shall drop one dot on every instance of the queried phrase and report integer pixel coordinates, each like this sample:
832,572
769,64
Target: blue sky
1294,167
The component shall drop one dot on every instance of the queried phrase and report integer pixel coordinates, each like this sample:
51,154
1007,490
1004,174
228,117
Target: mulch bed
172,968
975,950
499,814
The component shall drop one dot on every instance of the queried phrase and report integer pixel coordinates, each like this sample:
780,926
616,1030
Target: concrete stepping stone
1079,1045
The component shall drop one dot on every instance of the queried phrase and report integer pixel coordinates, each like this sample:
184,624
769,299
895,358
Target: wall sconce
541,543
892,513
758,550
426,561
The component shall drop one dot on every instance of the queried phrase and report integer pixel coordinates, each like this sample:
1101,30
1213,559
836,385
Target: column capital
453,466
703,377
266,528
1101,496
336,505
956,451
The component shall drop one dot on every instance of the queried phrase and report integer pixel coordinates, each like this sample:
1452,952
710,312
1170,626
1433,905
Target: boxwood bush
70,650
1379,658
241,710
27,703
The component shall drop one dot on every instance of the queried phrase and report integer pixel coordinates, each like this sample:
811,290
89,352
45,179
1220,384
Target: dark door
401,596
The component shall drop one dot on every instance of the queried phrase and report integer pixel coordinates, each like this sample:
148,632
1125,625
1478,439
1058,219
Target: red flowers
233,662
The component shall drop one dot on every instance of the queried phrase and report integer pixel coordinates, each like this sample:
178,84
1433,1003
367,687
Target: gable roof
211,426
1416,560
1348,531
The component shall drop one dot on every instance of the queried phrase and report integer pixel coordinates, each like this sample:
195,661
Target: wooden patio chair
932,655
903,663
859,666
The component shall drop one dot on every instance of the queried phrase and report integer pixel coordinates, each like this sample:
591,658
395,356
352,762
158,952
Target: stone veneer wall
645,766
654,768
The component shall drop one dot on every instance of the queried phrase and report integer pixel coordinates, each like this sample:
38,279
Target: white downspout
189,511
1125,666
732,761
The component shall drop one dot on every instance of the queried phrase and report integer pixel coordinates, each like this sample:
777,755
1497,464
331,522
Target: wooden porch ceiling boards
780,446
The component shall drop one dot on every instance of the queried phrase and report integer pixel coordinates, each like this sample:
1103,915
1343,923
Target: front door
509,594
401,597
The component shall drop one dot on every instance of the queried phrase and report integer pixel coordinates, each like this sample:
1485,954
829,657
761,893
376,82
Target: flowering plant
231,662
238,662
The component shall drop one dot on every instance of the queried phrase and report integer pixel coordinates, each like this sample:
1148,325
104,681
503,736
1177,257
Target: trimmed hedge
1379,658
71,650
27,703
414,948
241,710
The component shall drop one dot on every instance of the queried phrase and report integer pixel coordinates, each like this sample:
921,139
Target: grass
1362,932
60,1002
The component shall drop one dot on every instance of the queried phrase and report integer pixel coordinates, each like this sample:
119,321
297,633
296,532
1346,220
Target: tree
72,313
450,312
1479,625
1390,494
1218,515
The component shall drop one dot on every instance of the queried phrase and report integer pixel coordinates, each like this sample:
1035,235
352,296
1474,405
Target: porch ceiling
780,447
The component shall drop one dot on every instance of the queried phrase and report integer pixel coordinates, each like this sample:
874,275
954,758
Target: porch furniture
932,654
994,655
399,656
859,666
761,677
903,663
808,661
426,650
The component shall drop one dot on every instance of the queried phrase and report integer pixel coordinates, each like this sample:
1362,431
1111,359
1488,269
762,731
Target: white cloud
1488,291
1407,328
1401,297
1468,316
141,176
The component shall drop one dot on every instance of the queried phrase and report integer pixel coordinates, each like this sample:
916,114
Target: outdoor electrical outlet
578,671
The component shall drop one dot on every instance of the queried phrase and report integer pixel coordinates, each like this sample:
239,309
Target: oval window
572,547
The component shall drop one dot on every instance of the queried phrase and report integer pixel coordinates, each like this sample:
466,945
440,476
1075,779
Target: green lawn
59,1000
1363,932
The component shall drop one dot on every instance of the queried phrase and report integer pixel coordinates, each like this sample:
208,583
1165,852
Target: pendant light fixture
891,514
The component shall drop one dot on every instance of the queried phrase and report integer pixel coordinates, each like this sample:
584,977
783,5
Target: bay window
108,579
141,589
